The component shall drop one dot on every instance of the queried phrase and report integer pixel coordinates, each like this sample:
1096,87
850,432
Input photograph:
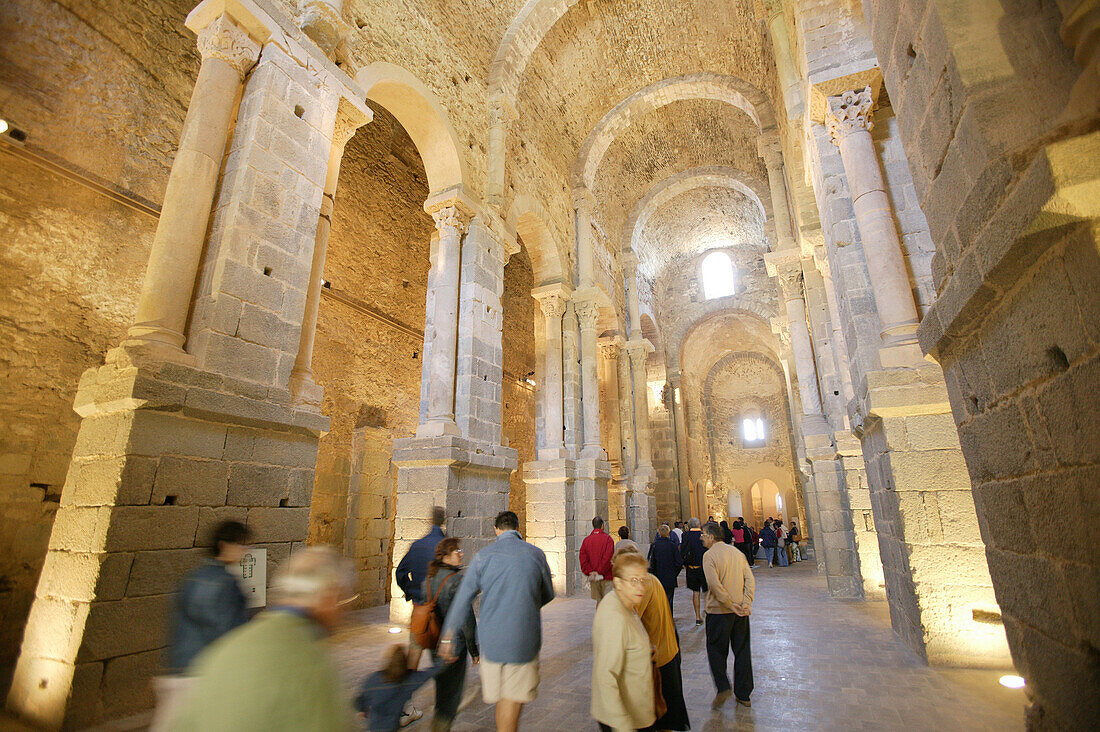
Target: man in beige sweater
730,590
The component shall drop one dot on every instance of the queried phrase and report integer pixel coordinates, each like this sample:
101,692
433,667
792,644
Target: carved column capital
451,218
553,304
790,282
610,348
588,312
849,112
638,351
225,40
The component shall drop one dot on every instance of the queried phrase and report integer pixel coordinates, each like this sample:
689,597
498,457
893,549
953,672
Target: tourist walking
275,673
678,531
412,570
692,550
730,591
768,541
208,605
444,577
780,543
384,694
624,539
657,619
727,532
752,539
665,561
741,536
622,672
595,557
513,580
794,548
672,535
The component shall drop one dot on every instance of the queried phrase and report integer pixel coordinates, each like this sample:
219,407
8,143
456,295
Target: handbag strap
441,586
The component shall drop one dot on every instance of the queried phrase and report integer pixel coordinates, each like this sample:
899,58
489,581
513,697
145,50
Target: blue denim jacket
514,581
413,568
209,604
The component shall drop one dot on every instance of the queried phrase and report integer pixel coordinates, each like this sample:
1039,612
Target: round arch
527,218
702,85
423,117
669,188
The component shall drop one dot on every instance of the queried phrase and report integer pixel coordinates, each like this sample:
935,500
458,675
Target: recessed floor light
1013,682
394,631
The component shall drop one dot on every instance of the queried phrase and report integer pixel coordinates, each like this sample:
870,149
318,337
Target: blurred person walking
412,570
730,592
384,694
513,580
657,620
595,558
276,673
209,604
794,549
624,538
780,543
623,693
444,577
768,541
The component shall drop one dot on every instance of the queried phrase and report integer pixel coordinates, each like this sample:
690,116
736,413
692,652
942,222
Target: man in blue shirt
514,581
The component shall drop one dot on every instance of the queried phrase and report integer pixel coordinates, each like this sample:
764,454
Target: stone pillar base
834,543
470,480
617,491
641,510
589,500
551,522
850,454
934,564
163,454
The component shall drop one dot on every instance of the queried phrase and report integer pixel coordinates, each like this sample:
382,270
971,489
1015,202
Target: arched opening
716,272
370,342
519,384
767,501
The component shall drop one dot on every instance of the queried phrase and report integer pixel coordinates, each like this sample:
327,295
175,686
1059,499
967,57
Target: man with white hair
275,672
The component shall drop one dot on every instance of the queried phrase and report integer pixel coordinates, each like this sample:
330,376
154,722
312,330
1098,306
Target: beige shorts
601,588
515,682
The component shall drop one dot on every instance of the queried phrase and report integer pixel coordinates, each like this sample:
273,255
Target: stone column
451,219
638,351
553,300
784,63
227,54
626,417
788,269
630,279
611,429
302,386
849,122
680,432
588,312
584,204
773,161
571,381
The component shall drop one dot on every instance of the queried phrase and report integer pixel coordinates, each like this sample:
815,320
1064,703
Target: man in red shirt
596,551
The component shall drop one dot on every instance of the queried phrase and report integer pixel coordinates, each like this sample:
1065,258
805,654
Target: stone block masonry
156,465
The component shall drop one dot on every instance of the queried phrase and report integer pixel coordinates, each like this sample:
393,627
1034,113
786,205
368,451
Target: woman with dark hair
727,532
665,561
444,577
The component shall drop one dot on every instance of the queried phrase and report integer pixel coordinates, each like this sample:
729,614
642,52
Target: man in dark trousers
730,591
596,551
413,570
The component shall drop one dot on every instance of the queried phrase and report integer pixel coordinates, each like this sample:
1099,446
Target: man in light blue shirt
514,581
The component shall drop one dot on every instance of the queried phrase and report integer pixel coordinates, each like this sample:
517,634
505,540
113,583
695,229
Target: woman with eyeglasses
622,665
444,577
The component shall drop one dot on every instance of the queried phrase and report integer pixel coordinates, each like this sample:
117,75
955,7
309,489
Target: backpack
686,553
425,625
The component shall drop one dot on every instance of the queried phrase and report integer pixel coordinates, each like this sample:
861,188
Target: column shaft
638,354
849,121
773,160
589,313
553,307
630,278
166,293
451,221
302,373
584,204
609,378
626,416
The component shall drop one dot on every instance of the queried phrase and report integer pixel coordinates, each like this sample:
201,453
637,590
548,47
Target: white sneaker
410,716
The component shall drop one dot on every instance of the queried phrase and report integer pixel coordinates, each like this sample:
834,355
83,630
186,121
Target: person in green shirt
275,673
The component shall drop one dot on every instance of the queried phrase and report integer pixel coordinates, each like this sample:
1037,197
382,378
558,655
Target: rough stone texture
518,339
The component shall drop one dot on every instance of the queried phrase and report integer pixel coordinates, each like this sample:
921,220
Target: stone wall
518,427
1014,320
73,259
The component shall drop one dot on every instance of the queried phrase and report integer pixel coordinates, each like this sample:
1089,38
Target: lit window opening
717,271
753,429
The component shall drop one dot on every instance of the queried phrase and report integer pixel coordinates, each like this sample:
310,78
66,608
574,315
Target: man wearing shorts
514,581
692,550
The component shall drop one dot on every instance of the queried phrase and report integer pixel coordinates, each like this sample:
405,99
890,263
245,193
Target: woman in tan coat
622,674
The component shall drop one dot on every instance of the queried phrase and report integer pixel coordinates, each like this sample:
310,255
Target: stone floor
819,664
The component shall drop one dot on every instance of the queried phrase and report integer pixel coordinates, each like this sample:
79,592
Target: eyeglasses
636,581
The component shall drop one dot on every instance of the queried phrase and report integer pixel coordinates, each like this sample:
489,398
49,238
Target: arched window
752,429
717,272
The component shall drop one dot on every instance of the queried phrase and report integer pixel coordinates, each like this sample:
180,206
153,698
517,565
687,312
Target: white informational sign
251,572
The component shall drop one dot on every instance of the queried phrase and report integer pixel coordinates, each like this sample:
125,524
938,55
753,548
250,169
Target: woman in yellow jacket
622,672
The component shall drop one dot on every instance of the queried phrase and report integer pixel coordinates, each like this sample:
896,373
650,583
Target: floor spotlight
1012,682
3,126
394,631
